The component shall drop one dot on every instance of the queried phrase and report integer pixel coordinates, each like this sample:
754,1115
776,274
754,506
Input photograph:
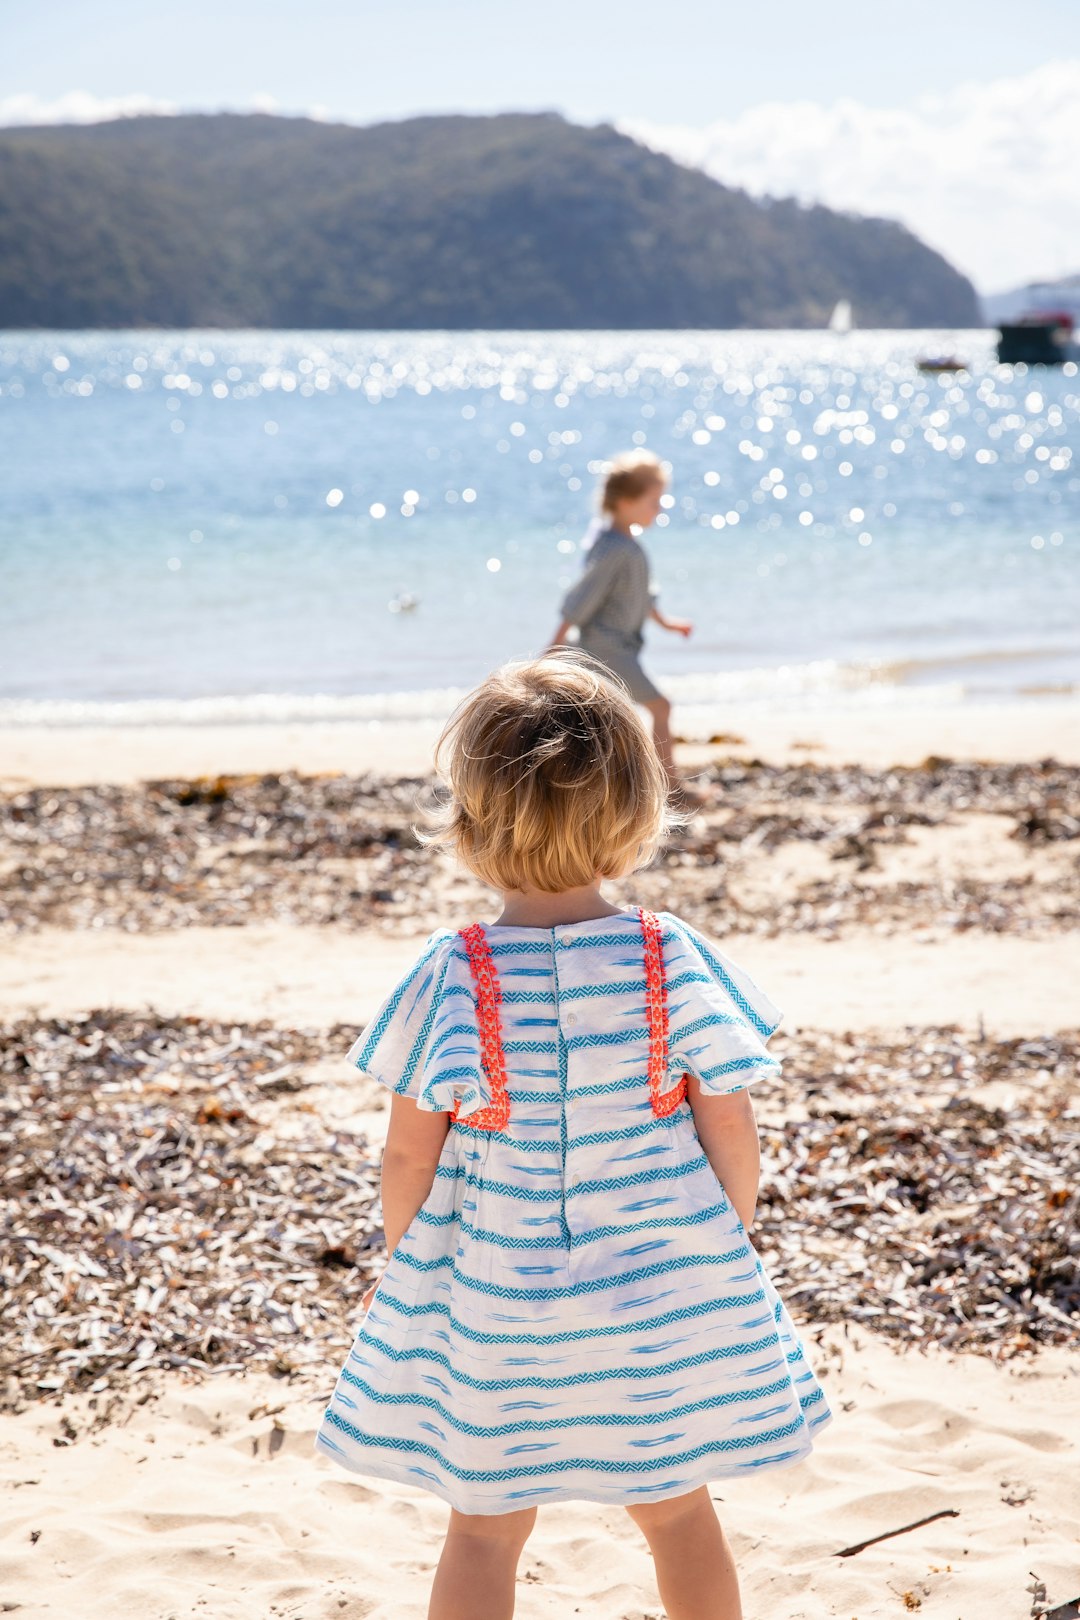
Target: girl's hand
365,1303
684,627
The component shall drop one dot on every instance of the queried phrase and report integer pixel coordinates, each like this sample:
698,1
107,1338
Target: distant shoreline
457,331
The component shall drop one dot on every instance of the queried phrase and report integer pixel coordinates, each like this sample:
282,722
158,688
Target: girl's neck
532,909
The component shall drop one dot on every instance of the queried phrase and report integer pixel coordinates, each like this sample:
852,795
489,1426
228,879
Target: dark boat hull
1035,343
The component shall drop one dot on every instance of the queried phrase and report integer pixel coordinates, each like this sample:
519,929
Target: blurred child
614,596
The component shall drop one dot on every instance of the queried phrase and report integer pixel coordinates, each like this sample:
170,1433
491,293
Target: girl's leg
660,709
478,1567
695,1572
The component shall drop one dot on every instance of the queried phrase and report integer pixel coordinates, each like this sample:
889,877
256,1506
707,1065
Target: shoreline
1013,732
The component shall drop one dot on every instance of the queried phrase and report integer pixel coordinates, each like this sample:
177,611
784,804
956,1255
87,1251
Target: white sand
890,735
305,976
185,1511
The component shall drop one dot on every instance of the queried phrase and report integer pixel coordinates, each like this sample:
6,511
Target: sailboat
840,320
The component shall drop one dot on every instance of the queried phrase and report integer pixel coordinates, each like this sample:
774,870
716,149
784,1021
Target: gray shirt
611,600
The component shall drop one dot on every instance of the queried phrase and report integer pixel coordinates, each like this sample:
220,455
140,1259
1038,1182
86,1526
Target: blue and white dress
576,1312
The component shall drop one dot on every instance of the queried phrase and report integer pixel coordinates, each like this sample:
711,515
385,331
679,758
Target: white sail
840,319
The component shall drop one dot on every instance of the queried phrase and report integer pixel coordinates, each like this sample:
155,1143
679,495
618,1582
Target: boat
1045,337
940,364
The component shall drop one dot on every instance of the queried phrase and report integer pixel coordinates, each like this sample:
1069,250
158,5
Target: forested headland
517,220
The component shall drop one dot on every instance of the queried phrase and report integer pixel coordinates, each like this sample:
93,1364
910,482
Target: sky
961,119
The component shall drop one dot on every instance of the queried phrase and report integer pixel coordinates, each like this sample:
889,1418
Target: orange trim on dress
663,1102
496,1117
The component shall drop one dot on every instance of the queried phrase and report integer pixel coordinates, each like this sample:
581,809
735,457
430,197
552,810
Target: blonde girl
572,1308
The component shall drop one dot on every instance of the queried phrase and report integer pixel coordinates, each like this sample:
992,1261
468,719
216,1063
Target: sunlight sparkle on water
781,444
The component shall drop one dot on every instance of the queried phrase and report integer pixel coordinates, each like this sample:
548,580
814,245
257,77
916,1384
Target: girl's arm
728,1134
683,626
414,1144
559,638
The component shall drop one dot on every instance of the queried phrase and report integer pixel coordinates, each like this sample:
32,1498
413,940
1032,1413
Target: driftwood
901,1530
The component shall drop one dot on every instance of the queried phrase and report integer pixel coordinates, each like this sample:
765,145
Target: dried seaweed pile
150,1217
1046,791
170,1197
856,815
932,1190
739,895
218,851
315,850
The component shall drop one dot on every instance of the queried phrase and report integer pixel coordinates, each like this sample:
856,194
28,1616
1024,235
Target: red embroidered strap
663,1102
486,988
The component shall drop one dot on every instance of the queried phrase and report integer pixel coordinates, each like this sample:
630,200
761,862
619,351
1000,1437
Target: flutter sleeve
719,1021
423,1043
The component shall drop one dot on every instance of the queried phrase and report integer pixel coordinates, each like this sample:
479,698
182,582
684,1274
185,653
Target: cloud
80,107
77,107
985,173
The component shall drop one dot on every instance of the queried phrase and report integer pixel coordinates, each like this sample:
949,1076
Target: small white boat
840,320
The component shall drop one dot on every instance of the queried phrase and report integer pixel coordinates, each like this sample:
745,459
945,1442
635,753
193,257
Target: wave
809,685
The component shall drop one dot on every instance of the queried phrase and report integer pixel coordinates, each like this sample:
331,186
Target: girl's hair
629,476
554,779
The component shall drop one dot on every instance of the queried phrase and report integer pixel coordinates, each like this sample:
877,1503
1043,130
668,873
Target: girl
572,1310
614,596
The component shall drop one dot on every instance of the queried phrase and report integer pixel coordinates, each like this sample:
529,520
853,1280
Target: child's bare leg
660,709
478,1566
695,1572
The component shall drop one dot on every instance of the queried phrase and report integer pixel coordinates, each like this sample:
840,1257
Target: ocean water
270,524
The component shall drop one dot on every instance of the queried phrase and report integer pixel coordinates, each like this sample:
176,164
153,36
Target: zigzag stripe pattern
590,1378
596,1419
641,1132
598,1234
644,1326
538,1195
575,1290
635,1465
763,1026
362,1054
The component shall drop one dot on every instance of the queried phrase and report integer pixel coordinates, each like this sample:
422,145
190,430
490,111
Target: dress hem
613,1498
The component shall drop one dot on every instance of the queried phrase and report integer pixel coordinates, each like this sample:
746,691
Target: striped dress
576,1312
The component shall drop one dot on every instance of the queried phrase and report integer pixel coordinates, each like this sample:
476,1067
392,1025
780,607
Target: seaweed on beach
930,1190
152,1214
225,851
172,1198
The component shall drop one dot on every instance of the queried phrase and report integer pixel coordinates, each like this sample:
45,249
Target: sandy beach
207,1501
896,734
920,929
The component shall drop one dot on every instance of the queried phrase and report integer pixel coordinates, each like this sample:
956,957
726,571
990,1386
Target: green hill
520,220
